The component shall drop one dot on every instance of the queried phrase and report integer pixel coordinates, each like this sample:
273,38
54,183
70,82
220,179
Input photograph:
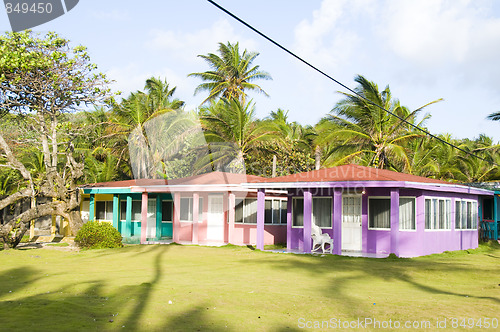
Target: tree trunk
274,166
317,157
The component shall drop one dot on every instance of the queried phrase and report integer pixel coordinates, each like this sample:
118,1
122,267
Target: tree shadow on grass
88,307
344,270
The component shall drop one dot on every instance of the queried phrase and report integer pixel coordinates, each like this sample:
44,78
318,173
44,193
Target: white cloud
437,32
328,40
187,45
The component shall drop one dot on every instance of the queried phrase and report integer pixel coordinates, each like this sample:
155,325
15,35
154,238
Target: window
186,209
284,210
379,213
104,210
488,208
167,209
136,210
298,212
407,213
274,211
351,209
322,211
466,214
246,211
437,213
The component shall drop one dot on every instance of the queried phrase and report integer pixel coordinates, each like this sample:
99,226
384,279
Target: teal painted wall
125,225
166,229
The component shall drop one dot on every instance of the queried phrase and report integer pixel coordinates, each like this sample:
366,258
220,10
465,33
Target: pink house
212,208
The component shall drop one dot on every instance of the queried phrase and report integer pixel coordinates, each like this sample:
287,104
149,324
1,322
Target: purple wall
410,243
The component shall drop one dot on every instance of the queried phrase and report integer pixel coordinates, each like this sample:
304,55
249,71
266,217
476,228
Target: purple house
373,211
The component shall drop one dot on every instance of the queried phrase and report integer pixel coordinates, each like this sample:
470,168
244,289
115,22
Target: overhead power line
345,86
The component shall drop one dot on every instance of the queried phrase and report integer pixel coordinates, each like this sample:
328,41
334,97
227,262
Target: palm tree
127,124
231,73
475,169
232,131
358,129
161,96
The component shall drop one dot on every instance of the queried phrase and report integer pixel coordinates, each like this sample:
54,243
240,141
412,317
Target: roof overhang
372,184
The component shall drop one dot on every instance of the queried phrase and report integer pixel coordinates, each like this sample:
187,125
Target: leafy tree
231,74
358,130
41,79
290,146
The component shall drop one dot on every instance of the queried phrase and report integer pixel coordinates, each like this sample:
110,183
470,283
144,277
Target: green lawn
190,288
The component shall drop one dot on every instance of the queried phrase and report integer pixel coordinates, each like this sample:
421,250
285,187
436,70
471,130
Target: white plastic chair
320,239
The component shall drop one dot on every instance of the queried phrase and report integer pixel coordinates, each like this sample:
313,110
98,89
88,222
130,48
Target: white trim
331,214
415,210
438,198
131,211
476,212
387,184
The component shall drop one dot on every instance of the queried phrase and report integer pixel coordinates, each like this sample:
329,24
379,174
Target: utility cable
345,86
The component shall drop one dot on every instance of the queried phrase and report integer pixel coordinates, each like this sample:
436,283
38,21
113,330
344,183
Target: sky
424,50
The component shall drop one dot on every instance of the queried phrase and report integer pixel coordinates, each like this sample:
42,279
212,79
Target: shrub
98,235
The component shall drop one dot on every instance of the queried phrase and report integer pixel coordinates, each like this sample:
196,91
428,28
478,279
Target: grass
59,244
191,288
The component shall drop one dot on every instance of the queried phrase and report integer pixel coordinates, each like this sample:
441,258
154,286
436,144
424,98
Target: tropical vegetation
50,143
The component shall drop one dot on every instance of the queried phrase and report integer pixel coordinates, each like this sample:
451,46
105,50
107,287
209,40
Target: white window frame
415,214
272,200
106,203
475,216
123,216
361,206
200,207
244,200
445,199
368,214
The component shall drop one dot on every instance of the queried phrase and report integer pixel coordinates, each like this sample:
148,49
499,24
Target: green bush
98,235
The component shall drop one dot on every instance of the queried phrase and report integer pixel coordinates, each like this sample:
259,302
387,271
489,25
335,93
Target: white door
215,218
151,221
351,223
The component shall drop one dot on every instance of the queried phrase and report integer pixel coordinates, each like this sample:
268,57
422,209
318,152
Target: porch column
261,203
116,210
495,215
337,222
92,207
307,220
177,217
196,217
128,218
158,217
144,217
395,221
231,213
225,204
289,221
